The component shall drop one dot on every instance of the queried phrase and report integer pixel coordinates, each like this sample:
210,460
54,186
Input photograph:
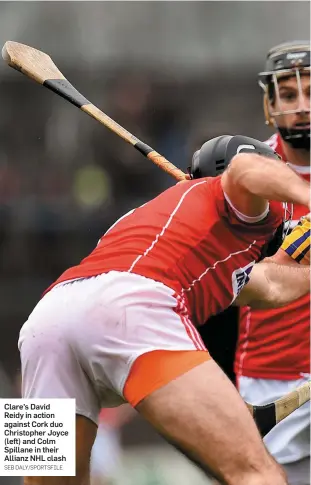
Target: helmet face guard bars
274,78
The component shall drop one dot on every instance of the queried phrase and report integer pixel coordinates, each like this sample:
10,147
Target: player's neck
296,156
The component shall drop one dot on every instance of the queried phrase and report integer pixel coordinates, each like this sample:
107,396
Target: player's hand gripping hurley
39,66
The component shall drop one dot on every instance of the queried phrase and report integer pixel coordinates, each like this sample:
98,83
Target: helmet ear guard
194,170
210,159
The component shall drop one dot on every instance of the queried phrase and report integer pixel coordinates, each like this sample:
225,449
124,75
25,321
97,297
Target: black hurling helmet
215,155
284,60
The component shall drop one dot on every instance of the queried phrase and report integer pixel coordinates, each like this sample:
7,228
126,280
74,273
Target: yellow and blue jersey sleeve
297,243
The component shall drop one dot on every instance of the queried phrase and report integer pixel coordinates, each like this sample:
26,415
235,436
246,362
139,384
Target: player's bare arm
275,285
284,277
251,180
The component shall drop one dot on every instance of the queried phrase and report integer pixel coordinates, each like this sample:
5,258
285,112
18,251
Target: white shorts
83,337
289,441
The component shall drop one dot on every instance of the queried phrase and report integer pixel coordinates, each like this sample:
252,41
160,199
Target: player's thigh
85,436
202,412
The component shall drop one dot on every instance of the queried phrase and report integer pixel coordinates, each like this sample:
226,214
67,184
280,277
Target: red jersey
275,343
188,238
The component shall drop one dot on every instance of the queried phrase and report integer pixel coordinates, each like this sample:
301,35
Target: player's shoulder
194,185
180,195
302,229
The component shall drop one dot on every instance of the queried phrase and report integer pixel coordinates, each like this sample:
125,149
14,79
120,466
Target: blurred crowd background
174,74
